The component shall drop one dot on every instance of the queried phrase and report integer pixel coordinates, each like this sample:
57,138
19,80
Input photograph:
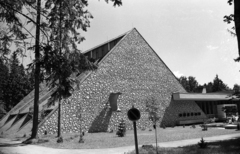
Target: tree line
15,82
57,60
191,85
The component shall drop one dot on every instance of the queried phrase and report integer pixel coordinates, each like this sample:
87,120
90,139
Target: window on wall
189,114
184,114
207,107
97,54
94,54
211,107
100,53
113,97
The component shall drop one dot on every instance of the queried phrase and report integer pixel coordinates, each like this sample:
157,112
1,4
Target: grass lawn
109,140
219,147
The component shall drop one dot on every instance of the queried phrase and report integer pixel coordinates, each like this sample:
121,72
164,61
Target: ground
100,142
110,140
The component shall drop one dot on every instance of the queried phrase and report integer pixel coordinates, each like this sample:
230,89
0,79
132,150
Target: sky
188,35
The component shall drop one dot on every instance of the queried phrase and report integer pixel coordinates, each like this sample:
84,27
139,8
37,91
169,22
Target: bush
238,126
60,139
145,149
141,151
202,144
121,129
24,135
143,129
211,120
204,127
81,139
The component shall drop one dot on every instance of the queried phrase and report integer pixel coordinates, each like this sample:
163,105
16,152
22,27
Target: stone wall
133,69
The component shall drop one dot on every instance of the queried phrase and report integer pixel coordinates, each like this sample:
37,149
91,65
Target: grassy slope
108,140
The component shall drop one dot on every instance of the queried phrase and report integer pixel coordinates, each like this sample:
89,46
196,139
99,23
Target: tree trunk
237,21
59,118
37,73
156,137
60,82
81,132
80,124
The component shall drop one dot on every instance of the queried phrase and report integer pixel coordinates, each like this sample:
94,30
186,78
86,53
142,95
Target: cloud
210,47
177,74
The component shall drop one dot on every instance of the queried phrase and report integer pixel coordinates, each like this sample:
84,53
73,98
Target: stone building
129,72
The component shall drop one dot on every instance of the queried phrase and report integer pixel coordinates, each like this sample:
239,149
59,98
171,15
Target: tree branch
34,9
11,8
24,28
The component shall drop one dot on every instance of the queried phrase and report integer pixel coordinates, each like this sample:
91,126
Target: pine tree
218,85
121,129
74,17
3,82
15,85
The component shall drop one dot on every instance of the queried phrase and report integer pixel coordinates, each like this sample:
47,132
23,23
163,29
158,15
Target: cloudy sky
189,35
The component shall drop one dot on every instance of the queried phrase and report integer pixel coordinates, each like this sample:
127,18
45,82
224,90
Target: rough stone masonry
133,69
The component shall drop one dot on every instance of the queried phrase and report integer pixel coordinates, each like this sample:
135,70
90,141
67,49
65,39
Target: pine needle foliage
121,129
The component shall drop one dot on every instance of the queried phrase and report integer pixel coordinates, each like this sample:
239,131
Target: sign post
134,115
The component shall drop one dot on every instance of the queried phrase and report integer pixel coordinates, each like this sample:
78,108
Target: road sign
133,114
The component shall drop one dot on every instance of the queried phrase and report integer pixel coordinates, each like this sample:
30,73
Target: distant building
211,103
129,71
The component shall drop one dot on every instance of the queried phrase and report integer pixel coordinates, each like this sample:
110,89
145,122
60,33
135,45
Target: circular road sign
133,114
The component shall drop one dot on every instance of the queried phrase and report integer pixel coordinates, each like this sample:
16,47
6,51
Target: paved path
15,147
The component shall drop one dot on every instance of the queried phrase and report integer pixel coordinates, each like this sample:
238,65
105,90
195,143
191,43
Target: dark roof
229,92
105,43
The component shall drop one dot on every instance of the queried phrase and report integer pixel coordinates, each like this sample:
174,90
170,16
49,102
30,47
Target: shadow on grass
225,146
219,147
39,141
11,144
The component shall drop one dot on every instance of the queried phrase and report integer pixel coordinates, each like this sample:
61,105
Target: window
184,114
113,101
